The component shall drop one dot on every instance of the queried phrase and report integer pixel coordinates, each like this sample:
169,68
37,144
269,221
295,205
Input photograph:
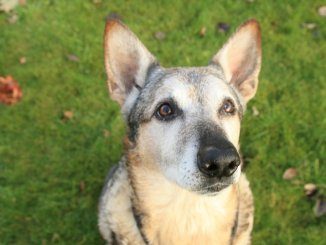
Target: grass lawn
52,170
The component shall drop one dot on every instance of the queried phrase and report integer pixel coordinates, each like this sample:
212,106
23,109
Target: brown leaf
160,35
22,60
72,57
255,111
309,26
67,115
320,207
322,11
202,31
10,91
290,173
310,189
8,5
223,27
114,15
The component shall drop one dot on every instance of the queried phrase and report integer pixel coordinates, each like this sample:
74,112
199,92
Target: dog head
185,121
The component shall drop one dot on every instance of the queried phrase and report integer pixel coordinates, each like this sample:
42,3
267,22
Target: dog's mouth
212,188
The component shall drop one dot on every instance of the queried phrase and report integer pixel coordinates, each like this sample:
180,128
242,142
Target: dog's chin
212,190
213,186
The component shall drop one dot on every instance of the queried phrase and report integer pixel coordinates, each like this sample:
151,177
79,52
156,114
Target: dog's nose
215,162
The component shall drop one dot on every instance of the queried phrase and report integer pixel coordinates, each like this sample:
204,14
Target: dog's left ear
240,59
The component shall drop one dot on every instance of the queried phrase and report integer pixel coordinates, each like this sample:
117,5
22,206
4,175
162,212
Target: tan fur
173,215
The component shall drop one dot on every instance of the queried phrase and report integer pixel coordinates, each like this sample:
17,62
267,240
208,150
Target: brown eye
228,107
165,110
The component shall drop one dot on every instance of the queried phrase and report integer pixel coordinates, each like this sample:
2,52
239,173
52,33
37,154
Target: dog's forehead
194,84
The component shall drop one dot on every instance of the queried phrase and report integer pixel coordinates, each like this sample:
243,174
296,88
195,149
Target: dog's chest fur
172,215
176,216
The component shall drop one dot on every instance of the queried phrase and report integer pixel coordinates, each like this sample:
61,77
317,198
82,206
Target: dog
180,180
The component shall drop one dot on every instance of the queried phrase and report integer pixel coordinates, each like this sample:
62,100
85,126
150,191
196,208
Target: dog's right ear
126,61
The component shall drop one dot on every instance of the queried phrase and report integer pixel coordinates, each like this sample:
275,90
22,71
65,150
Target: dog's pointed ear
126,61
240,59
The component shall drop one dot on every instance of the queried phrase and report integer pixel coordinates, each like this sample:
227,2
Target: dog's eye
228,107
165,111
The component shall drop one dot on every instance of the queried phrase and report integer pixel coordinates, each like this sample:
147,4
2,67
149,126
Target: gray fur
111,214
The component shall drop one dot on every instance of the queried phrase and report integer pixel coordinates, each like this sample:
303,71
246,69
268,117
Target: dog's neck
176,216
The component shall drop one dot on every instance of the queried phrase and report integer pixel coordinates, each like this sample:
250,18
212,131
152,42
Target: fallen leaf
202,31
309,26
322,11
160,35
114,15
106,133
10,91
82,186
320,207
255,111
310,189
290,173
223,27
8,5
73,58
22,60
12,19
273,23
67,115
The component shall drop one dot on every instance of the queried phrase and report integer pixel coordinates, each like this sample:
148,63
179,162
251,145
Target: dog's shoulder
110,192
116,220
115,174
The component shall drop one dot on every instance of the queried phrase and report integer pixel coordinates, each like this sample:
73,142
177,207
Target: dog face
185,121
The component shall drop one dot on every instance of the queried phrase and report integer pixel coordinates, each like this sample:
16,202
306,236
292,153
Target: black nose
215,162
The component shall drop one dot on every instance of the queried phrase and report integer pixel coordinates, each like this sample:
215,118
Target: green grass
43,159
